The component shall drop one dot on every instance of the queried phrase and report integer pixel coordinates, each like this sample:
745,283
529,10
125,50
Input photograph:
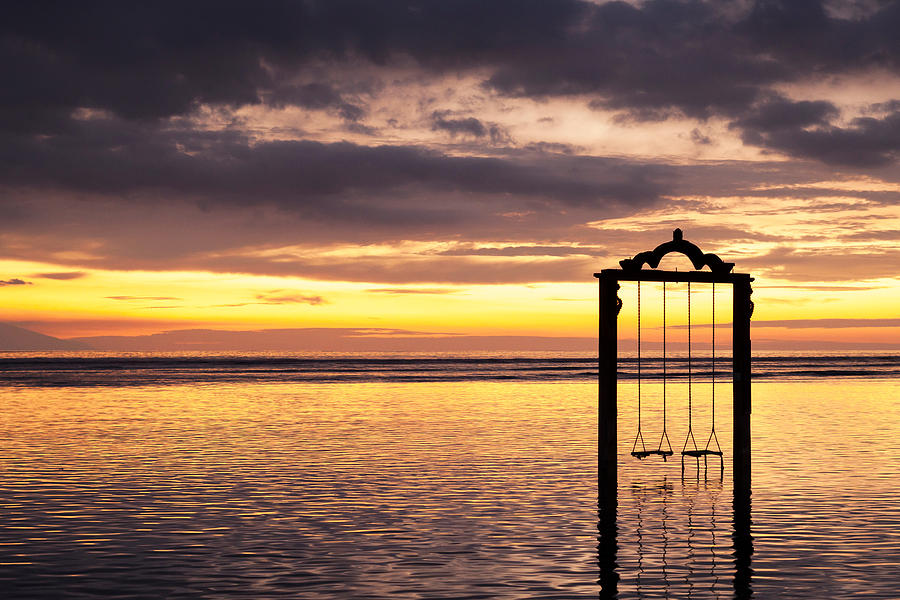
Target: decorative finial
677,235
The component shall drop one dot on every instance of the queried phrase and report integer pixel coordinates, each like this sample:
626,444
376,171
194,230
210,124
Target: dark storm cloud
700,59
152,60
804,129
865,142
778,114
116,157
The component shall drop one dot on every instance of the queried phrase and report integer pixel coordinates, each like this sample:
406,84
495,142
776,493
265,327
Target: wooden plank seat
699,453
641,454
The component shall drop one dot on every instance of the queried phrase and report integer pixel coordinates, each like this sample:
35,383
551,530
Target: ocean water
140,369
457,477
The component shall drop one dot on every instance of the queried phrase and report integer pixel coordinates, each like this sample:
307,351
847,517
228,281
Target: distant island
17,339
312,339
347,339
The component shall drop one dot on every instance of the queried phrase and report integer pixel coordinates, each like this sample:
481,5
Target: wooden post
742,543
606,408
743,309
607,467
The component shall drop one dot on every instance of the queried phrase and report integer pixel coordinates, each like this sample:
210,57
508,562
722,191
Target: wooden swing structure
610,304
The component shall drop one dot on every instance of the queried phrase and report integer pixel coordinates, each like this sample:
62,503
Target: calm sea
262,476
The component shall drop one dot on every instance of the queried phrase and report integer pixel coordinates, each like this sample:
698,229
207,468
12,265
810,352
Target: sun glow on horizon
102,302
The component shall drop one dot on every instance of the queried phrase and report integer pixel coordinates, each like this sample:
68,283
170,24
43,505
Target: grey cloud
361,129
401,271
827,323
874,235
806,324
149,62
395,194
121,158
552,147
827,264
442,121
821,288
805,129
64,276
232,54
524,251
469,125
780,113
865,142
317,95
698,137
14,281
649,59
887,107
412,291
131,298
277,297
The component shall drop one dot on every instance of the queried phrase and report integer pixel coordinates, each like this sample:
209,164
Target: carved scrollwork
750,305
677,244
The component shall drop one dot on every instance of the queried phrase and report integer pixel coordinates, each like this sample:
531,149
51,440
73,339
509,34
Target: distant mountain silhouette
337,339
17,339
327,339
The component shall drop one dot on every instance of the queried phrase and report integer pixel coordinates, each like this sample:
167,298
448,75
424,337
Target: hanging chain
664,356
712,430
713,357
690,408
639,351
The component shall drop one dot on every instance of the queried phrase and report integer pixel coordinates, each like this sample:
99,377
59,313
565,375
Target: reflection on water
663,559
424,490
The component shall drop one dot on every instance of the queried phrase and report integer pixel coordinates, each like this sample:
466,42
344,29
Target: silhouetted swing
643,452
696,452
608,448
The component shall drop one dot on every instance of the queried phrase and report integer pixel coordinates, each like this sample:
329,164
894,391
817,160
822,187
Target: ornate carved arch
677,244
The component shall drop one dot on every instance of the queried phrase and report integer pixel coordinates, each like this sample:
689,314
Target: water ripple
433,490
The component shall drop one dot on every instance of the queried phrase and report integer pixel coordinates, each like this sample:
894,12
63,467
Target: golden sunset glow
413,299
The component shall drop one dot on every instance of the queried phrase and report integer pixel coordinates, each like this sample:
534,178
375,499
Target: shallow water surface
427,490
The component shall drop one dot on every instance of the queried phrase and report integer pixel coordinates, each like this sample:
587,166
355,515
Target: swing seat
699,453
642,454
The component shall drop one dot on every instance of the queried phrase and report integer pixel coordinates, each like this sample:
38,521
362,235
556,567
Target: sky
453,167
